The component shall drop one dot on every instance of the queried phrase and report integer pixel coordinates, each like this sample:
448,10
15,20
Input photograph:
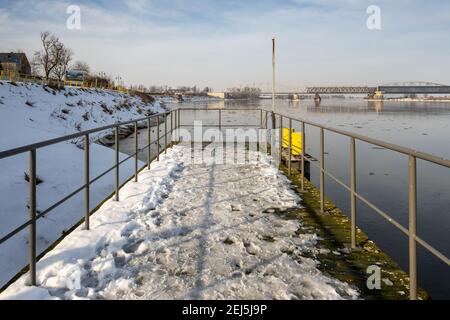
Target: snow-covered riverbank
30,113
190,231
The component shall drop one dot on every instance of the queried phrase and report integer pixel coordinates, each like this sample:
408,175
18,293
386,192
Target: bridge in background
407,88
397,88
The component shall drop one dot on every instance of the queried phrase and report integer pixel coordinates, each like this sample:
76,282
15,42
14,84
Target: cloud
138,5
227,43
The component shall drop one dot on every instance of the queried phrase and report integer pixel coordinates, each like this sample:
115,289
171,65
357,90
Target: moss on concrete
337,259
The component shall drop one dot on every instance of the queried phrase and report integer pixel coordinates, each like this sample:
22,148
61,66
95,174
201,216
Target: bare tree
64,56
82,66
45,59
53,59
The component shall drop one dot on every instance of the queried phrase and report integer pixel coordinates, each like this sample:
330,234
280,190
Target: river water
382,175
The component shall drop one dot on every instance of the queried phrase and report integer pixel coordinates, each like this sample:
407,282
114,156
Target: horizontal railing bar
91,182
422,242
84,186
121,162
393,147
53,207
406,151
218,109
94,180
433,251
26,224
60,202
46,143
222,126
114,167
102,175
14,232
125,160
378,210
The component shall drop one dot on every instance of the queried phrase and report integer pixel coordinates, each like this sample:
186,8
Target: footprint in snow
131,247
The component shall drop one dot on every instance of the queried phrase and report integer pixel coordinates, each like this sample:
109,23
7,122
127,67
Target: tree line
244,93
171,90
54,60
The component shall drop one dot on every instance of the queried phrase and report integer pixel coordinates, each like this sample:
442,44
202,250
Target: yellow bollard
296,141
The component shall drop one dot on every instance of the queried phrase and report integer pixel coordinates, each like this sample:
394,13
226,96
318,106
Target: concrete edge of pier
337,258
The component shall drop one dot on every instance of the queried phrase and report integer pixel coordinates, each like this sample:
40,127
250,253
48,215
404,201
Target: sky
227,43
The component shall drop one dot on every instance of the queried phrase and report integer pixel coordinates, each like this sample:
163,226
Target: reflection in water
317,103
382,174
377,105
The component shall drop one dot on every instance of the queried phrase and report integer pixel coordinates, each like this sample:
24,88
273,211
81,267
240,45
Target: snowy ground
30,113
190,231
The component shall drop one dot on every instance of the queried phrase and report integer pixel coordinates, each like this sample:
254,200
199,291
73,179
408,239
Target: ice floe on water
190,231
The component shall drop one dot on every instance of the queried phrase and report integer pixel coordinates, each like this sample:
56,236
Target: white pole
273,74
272,142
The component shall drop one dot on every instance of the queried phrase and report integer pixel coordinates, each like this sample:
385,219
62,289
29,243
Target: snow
30,113
190,230
43,116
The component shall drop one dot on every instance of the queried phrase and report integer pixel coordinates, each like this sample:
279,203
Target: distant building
220,95
15,62
76,75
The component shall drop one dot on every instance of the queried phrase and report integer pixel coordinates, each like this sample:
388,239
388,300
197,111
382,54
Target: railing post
412,227
158,137
86,182
136,151
322,168
117,163
261,118
32,229
220,120
290,146
303,156
166,132
267,120
273,147
180,124
267,135
149,138
353,188
177,125
281,139
173,136
171,127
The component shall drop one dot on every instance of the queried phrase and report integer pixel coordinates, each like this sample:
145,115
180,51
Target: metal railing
32,149
413,155
220,117
263,123
270,120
